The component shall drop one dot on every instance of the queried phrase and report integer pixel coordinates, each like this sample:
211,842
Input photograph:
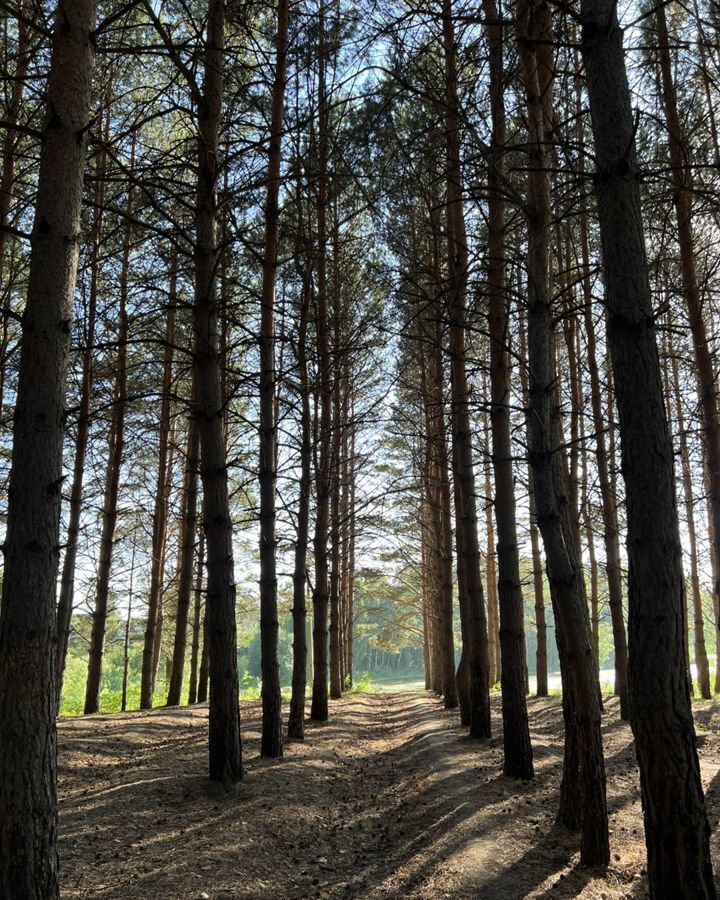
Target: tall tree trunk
319,705
188,531
676,826
351,545
67,578
586,514
701,659
116,450
518,761
160,512
28,678
491,575
583,789
272,733
128,624
335,485
541,659
225,762
705,370
465,497
611,531
439,502
296,722
197,622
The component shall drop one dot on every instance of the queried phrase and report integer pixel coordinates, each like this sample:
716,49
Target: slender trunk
128,622
701,659
225,762
116,449
518,761
161,503
676,825
465,497
28,678
67,578
319,705
335,486
204,671
491,578
188,531
296,723
705,370
541,659
351,548
439,502
586,514
197,622
611,531
583,790
272,733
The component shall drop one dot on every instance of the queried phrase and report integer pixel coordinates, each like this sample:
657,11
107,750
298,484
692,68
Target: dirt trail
387,800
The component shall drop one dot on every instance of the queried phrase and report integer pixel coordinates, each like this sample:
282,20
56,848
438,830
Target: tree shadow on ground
389,799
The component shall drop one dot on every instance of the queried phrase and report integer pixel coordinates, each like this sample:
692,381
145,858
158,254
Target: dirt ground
389,799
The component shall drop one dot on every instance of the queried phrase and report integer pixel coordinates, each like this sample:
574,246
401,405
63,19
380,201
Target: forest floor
389,799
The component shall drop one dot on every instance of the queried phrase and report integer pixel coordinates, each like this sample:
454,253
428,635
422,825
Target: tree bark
705,369
197,622
676,826
468,550
296,722
225,762
583,790
67,579
188,531
28,679
541,661
272,732
319,705
611,531
518,759
160,513
116,450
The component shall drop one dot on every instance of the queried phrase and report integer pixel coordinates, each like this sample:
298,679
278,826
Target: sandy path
387,800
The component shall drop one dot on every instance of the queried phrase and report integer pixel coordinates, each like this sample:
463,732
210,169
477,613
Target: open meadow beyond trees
359,449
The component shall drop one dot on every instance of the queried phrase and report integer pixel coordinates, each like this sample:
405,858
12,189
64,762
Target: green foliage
363,685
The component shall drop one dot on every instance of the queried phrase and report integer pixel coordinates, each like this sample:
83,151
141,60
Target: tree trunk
128,623
335,485
468,549
225,763
439,501
611,531
491,575
197,622
676,826
319,705
116,449
272,732
705,370
160,513
28,678
518,762
583,791
67,579
541,661
186,554
296,722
